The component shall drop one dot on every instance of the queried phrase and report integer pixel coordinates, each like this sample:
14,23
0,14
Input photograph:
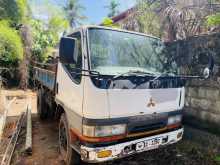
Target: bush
42,40
109,23
46,37
213,20
11,48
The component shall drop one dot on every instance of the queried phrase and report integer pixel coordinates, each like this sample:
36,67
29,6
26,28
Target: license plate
148,144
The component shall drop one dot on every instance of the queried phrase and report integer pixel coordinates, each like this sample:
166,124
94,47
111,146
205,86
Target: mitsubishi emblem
151,103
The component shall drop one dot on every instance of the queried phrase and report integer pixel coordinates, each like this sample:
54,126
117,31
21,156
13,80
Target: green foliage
42,40
46,32
113,8
11,48
213,20
46,37
109,23
57,25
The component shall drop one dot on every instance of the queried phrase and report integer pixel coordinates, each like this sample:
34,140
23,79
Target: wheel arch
59,111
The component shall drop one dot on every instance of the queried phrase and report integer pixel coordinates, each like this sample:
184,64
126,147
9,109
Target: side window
75,69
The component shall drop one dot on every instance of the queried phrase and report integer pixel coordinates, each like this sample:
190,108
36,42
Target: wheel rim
63,140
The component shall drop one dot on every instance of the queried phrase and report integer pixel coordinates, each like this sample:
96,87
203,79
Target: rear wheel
41,105
70,156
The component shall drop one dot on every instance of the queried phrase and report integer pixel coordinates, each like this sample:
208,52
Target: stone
216,107
187,101
200,103
193,92
212,94
202,92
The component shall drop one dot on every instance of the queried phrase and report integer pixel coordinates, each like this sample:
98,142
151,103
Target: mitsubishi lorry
114,92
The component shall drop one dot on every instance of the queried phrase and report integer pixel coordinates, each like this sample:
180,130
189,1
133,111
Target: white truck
114,93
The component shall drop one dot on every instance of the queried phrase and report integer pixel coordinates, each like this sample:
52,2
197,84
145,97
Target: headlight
104,131
174,119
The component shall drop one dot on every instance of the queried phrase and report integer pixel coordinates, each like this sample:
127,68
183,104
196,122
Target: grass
217,159
197,153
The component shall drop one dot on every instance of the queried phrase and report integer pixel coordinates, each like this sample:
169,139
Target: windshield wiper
166,74
133,72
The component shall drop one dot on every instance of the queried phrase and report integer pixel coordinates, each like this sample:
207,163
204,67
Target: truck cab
118,94
115,92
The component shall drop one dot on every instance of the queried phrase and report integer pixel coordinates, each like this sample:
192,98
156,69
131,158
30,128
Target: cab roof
85,27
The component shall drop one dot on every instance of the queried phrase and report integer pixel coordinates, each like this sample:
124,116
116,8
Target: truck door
70,82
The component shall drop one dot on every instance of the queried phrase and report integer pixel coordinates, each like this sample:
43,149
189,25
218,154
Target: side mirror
208,70
68,50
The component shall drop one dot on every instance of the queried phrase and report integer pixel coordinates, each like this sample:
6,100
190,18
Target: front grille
148,127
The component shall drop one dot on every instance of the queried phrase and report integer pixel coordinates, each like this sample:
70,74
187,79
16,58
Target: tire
41,106
70,156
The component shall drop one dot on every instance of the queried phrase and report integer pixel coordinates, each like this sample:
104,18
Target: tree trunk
23,68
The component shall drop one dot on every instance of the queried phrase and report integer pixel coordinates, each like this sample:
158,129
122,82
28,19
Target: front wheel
70,156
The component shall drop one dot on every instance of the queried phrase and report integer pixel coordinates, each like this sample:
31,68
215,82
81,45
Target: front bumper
118,151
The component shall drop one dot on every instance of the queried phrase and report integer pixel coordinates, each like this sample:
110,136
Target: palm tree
73,11
113,8
182,21
177,18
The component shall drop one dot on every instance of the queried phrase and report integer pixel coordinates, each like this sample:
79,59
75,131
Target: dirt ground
45,146
21,99
45,151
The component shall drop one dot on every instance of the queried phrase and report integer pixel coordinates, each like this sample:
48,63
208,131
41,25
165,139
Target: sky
95,10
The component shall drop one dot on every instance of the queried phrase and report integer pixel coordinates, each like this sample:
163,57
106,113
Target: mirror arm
191,77
207,71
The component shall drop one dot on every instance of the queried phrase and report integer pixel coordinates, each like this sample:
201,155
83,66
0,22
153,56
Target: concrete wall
203,101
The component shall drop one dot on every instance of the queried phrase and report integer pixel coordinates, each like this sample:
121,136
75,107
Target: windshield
114,52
